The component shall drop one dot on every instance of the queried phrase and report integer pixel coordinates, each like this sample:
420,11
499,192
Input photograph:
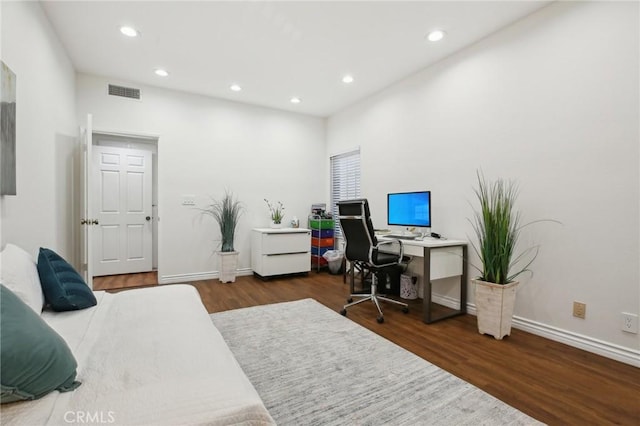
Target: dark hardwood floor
552,382
113,282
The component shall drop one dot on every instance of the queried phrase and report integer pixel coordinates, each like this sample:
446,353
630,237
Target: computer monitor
409,209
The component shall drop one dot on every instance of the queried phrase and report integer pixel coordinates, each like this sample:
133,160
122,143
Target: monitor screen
409,209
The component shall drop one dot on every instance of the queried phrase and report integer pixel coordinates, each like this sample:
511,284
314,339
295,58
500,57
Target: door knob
148,218
83,221
94,222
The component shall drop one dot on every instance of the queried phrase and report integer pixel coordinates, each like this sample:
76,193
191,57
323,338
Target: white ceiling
274,50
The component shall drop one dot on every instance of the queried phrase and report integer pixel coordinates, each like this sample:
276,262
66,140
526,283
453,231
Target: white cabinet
280,251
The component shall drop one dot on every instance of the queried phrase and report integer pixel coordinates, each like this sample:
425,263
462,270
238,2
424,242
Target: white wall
1,198
46,133
552,102
206,145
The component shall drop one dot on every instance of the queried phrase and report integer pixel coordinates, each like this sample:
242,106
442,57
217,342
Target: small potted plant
497,227
277,213
226,212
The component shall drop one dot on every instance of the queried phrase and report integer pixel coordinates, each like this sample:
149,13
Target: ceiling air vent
125,92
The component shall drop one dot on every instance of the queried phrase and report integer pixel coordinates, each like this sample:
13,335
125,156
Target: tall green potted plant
226,212
497,227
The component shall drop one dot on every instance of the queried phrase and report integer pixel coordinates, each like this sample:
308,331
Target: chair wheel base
380,319
343,312
405,310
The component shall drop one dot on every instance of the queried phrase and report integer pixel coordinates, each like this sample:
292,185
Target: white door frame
148,138
86,232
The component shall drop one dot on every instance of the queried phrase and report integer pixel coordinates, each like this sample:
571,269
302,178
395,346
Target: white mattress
147,356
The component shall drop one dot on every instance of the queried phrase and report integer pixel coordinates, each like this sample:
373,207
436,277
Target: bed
146,356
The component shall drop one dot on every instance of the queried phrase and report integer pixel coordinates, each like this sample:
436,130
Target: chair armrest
388,242
400,253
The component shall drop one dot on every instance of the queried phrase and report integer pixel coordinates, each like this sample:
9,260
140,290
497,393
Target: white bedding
147,356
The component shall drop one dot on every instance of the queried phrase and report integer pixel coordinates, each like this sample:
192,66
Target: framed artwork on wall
7,131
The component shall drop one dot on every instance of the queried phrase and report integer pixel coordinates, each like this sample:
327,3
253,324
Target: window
345,181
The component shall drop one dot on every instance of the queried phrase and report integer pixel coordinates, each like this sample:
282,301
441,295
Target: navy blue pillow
63,288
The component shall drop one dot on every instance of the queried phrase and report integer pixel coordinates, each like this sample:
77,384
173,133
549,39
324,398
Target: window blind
345,181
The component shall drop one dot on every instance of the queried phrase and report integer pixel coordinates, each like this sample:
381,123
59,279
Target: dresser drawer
279,243
277,264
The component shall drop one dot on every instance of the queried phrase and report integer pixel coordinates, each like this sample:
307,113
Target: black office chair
363,248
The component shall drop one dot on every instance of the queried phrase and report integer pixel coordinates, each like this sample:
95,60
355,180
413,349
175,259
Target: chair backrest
357,229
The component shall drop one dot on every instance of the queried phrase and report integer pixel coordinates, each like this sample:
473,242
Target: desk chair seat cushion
381,257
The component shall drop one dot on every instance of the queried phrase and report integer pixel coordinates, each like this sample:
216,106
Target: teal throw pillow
63,288
35,359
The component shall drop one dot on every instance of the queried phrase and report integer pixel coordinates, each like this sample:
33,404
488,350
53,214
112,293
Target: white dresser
280,251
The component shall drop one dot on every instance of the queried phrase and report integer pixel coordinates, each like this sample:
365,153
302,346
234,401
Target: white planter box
494,305
228,266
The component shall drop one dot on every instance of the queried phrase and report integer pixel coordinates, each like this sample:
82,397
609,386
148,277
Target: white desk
442,259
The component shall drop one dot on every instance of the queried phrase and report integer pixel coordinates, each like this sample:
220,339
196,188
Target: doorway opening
125,187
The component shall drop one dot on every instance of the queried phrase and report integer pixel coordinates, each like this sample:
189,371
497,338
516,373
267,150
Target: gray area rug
312,366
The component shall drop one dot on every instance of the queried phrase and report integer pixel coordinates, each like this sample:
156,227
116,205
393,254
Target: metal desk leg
426,277
351,277
463,282
426,273
343,266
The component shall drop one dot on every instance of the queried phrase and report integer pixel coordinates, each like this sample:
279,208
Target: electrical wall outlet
629,323
579,309
188,200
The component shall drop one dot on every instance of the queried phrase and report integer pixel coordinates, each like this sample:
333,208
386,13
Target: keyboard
401,236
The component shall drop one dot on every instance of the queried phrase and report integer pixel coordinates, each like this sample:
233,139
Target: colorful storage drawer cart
321,240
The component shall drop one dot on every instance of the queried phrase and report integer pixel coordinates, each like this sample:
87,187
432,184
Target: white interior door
86,192
122,207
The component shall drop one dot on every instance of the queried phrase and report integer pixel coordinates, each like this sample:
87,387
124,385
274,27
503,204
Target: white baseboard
181,278
600,347
449,302
589,344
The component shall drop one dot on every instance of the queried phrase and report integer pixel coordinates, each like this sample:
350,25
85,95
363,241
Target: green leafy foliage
226,212
497,227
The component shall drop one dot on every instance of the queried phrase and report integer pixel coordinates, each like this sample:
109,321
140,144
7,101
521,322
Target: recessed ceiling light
295,100
129,31
161,72
347,79
235,88
436,35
